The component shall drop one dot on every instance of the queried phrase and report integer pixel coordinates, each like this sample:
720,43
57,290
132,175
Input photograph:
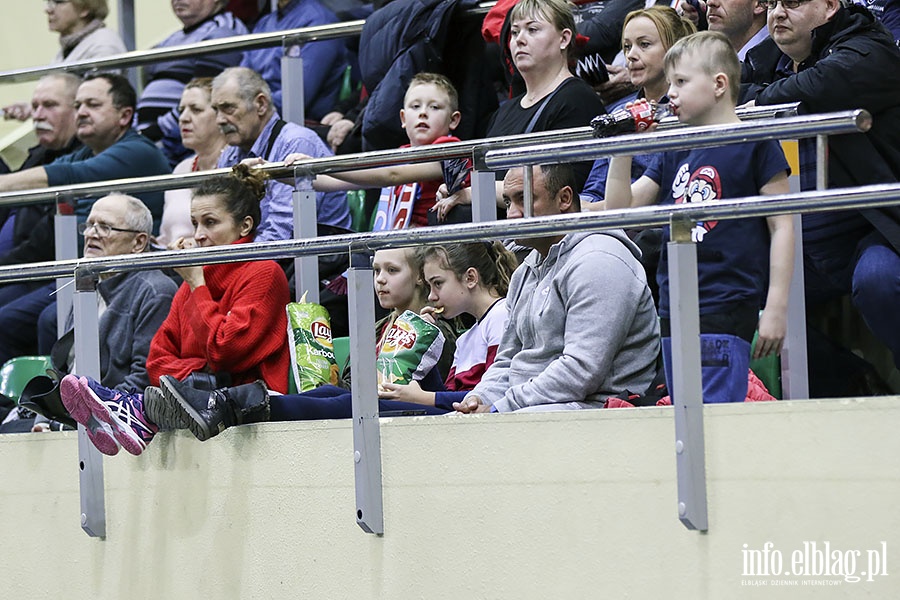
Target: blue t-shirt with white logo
733,254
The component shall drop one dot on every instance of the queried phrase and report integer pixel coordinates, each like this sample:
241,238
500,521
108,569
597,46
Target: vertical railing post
364,386
87,359
306,268
687,380
292,107
66,240
484,190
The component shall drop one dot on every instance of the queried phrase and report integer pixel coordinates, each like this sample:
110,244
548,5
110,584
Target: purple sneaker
123,412
100,434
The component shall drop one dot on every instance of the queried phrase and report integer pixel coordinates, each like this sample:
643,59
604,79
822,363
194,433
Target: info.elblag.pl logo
811,563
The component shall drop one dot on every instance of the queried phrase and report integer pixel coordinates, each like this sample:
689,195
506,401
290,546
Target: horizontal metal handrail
793,127
250,41
871,196
347,162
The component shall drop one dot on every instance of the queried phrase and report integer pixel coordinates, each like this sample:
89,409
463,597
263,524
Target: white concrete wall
495,506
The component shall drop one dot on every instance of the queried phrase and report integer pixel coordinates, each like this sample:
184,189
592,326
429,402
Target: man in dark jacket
830,58
21,239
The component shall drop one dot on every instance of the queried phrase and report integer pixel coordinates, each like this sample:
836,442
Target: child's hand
444,203
411,392
427,313
772,329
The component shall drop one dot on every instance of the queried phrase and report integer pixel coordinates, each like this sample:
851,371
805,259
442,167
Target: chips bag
312,352
410,348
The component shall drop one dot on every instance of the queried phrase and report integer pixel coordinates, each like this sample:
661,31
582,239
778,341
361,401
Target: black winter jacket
854,64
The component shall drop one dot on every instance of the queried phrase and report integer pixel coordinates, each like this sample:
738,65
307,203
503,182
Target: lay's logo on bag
401,336
321,331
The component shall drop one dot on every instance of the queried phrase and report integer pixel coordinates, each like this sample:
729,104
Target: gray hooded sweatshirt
582,327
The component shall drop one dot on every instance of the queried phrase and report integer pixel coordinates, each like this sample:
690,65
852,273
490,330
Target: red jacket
236,323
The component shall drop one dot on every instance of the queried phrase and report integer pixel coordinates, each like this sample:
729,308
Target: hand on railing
20,111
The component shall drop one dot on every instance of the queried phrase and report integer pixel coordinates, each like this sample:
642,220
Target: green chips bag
312,353
409,349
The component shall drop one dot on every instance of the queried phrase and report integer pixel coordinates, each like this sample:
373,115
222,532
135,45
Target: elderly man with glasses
832,57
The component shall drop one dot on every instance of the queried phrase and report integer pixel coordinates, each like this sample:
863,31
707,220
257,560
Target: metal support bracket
87,358
66,238
484,189
366,429
306,268
794,361
292,96
687,381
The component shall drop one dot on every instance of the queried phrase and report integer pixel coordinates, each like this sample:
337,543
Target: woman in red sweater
227,320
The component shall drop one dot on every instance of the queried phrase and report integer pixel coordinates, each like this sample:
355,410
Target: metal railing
688,408
364,160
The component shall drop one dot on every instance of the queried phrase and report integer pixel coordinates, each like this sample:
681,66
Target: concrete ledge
495,506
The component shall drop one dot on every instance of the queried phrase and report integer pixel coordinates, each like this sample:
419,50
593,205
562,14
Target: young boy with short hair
704,78
429,115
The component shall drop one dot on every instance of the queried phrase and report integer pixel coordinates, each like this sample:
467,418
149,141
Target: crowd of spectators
581,321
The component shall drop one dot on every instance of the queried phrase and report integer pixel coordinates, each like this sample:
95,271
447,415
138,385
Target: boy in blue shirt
732,256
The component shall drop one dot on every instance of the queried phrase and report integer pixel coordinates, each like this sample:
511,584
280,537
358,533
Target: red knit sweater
236,323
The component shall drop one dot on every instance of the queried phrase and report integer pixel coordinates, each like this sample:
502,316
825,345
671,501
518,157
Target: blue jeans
876,292
724,361
871,273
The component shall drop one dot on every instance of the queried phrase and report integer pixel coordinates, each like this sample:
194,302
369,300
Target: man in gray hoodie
582,323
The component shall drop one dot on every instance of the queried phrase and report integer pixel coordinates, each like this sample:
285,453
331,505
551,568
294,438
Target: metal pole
528,190
87,358
687,380
66,239
366,428
292,82
484,196
306,268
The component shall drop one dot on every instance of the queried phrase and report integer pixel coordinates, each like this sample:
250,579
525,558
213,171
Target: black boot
210,413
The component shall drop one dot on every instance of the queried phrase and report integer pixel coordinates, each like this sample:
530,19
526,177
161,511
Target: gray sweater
136,305
582,327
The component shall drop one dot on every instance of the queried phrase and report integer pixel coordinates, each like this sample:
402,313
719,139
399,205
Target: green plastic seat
356,203
18,371
341,351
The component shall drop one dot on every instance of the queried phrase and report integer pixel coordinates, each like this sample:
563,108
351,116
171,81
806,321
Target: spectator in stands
541,42
252,128
840,58
647,36
82,36
134,304
324,61
199,132
429,116
582,325
742,21
203,20
732,254
227,321
22,238
104,106
400,286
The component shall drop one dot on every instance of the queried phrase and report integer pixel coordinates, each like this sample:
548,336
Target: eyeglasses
771,4
102,229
